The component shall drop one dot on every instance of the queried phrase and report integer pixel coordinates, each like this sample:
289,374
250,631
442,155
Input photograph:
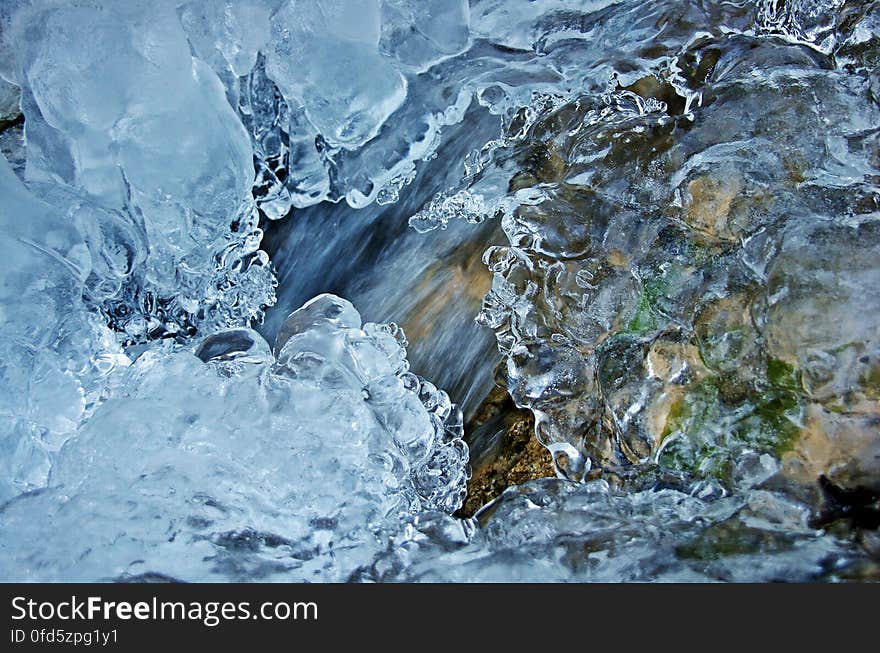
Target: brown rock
709,205
517,458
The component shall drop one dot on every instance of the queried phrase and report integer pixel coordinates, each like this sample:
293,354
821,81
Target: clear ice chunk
422,34
148,132
227,34
324,57
45,266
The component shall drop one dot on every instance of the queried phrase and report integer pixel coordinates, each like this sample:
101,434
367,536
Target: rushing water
430,284
653,225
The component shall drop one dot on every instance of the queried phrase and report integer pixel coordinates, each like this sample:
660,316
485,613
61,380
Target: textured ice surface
313,42
421,34
683,289
53,351
10,97
147,136
554,530
227,35
227,462
668,235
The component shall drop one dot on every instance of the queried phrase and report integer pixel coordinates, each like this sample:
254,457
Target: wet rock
685,278
515,458
844,448
860,506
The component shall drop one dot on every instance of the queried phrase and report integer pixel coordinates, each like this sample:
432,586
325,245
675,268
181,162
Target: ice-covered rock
556,531
648,228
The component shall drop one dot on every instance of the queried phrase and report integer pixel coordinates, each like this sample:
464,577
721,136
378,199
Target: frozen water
421,34
10,98
53,352
553,530
227,35
678,203
312,42
147,134
637,302
226,462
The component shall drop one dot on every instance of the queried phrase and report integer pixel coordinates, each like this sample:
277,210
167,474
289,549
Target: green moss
676,420
644,320
732,537
783,375
708,427
870,381
774,425
691,444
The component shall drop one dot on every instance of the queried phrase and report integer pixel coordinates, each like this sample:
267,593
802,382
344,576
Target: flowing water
431,284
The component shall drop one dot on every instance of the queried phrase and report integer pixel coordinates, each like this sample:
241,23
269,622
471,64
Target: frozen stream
285,281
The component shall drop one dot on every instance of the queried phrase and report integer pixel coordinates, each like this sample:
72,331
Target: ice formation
49,342
557,531
678,205
659,298
144,145
224,461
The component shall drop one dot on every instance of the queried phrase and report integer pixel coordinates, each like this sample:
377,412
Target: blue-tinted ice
664,213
